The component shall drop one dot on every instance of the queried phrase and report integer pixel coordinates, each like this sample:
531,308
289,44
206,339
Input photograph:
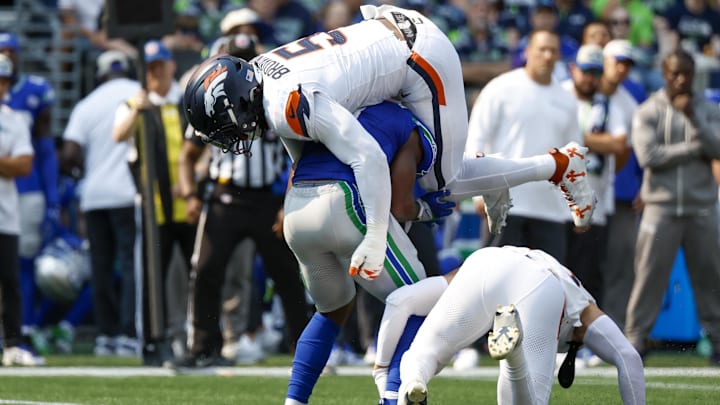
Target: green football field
70,380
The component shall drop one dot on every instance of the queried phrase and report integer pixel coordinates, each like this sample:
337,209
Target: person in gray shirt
676,135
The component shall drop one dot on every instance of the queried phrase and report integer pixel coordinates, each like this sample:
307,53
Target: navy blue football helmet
223,102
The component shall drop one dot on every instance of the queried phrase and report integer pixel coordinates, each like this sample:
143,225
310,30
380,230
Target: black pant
586,253
111,233
10,288
250,214
548,236
169,234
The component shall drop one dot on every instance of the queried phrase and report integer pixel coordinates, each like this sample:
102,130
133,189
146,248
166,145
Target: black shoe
202,360
157,354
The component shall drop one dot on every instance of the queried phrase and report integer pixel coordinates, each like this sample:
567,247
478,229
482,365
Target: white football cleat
506,333
497,206
20,356
416,394
573,182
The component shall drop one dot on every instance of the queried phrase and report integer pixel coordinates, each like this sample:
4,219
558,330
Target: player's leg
526,374
32,207
703,266
318,229
659,238
402,267
462,315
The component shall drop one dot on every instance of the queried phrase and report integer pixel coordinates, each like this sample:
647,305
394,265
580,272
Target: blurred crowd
86,240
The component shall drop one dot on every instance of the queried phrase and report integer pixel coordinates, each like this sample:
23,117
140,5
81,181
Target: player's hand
193,208
367,260
433,206
683,103
141,101
277,226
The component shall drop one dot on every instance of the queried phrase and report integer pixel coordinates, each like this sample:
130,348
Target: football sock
311,355
380,377
82,306
393,378
516,387
605,339
27,290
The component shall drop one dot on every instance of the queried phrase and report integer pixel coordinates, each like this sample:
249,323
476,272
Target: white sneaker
574,182
249,351
126,346
104,346
353,359
229,350
506,333
466,359
270,339
415,394
20,356
370,355
497,206
594,361
337,356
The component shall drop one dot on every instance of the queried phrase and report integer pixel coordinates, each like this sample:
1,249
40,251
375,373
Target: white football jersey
577,298
313,86
359,65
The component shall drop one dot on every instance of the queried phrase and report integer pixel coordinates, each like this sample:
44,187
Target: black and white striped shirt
259,170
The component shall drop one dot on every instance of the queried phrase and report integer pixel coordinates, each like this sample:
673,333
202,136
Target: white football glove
368,258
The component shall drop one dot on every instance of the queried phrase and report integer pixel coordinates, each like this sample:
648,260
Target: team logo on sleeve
214,85
297,110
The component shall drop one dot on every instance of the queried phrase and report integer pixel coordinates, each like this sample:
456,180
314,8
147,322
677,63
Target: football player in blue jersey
325,221
32,96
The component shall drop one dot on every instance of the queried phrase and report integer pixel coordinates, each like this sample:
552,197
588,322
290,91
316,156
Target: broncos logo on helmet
223,103
214,88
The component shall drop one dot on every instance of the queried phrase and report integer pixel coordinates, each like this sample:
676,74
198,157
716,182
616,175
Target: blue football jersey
29,96
390,125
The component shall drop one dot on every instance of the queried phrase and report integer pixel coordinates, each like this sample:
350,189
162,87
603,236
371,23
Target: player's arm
188,158
403,169
343,135
71,159
604,338
46,157
126,117
651,150
20,160
15,166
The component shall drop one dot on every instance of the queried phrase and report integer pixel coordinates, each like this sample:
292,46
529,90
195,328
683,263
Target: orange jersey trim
427,67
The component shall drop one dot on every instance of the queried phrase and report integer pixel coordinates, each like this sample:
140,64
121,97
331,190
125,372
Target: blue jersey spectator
573,15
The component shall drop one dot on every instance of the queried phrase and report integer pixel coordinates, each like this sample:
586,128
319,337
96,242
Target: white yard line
480,372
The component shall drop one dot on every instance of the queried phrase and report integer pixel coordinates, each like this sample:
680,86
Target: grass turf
330,390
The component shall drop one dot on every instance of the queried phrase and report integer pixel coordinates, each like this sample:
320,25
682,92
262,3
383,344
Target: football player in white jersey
537,308
308,90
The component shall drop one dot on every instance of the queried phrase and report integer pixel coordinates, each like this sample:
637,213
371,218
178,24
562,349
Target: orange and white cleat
572,179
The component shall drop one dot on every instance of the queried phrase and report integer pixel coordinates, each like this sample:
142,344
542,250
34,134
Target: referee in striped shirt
238,203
